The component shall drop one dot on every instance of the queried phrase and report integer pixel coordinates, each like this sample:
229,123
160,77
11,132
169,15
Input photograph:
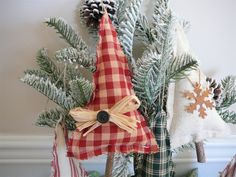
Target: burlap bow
86,118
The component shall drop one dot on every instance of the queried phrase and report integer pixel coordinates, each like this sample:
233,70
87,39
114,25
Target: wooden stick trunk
109,165
201,158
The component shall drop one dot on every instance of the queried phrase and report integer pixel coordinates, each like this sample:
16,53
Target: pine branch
67,33
81,91
50,118
149,69
71,73
180,65
228,97
127,28
47,66
228,116
47,88
189,146
120,11
73,56
152,75
144,30
38,73
121,165
161,18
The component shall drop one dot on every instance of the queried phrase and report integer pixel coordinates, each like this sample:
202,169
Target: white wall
22,33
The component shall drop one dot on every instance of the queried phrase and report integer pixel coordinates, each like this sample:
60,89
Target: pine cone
92,11
215,87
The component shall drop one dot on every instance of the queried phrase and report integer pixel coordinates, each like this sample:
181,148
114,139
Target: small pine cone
92,11
215,87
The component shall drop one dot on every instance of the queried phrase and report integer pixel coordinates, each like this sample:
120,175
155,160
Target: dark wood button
103,117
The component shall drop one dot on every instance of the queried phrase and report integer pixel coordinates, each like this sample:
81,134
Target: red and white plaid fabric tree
111,121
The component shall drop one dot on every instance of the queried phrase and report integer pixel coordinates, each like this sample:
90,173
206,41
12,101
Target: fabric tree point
125,130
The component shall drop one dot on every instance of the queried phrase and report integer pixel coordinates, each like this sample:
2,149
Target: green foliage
228,97
127,29
180,65
144,30
47,67
189,146
67,33
35,72
94,174
81,91
153,67
73,56
49,89
228,116
192,173
149,66
162,20
121,165
50,118
120,11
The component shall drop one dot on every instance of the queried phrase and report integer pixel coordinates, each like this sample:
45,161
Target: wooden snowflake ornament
202,100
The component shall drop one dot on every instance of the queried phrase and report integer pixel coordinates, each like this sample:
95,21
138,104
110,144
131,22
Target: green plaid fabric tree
159,164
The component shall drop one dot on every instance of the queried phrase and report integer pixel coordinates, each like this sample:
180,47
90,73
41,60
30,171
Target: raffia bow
86,118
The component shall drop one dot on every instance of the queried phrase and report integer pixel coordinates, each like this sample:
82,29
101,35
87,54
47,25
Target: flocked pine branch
180,65
140,81
153,66
81,91
73,56
144,31
48,67
67,33
120,11
121,165
47,88
228,116
127,29
35,72
50,118
161,18
228,97
189,146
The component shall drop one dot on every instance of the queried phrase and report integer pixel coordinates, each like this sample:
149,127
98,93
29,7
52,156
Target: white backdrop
212,38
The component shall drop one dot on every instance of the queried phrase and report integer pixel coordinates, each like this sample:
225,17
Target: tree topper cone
111,121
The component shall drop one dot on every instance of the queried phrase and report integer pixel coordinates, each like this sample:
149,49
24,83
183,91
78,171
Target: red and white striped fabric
230,169
112,81
63,166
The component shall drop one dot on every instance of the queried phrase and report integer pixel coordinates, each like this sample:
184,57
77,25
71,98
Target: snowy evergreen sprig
228,116
228,98
49,89
47,66
127,29
153,66
67,33
180,65
81,91
144,30
121,165
73,56
51,117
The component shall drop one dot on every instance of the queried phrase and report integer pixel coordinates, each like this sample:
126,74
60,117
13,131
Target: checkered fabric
112,80
159,164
